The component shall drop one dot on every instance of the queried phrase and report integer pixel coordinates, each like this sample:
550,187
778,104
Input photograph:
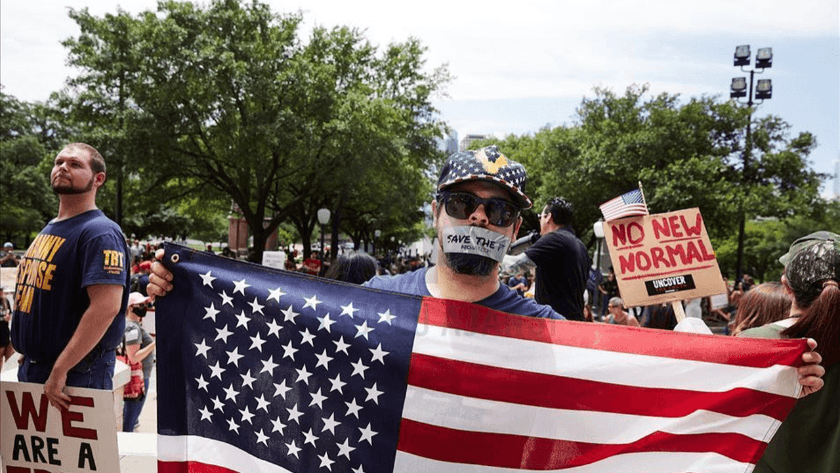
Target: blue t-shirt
51,295
504,299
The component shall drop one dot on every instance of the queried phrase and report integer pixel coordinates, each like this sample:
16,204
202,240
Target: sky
519,66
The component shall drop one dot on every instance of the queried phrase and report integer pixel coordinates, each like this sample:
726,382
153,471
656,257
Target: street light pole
763,60
323,219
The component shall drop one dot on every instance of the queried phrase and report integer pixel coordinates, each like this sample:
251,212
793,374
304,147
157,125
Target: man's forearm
105,303
92,327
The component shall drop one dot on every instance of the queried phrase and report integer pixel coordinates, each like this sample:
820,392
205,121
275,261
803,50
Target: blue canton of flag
266,371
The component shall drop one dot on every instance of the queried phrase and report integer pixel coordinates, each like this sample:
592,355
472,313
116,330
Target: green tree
28,142
228,101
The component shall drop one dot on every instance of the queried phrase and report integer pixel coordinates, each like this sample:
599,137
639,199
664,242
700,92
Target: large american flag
626,205
261,370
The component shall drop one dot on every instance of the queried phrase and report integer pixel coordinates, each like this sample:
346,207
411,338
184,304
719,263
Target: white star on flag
293,449
330,424
207,279
226,299
274,329
256,342
311,302
353,408
223,334
202,349
202,384
289,314
348,310
341,345
234,357
386,317
240,287
363,330
211,312
256,307
217,371
269,365
378,354
242,320
373,394
367,434
275,294
248,380
325,322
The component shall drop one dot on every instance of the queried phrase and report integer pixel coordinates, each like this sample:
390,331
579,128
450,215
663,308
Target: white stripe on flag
478,415
192,448
656,462
584,363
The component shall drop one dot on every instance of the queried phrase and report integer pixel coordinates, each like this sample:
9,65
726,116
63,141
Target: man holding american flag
370,380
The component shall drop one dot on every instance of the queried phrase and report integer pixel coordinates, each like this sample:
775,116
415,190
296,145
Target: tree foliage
28,140
226,100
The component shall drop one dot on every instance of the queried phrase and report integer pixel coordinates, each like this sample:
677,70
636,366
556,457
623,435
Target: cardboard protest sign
274,259
663,258
39,438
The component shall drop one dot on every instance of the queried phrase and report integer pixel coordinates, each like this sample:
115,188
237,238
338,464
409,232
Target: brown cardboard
663,258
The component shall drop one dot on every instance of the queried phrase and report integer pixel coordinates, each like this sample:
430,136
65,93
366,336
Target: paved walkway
138,450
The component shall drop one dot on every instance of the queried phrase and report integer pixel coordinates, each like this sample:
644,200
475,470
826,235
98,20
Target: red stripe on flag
516,451
751,352
522,387
190,467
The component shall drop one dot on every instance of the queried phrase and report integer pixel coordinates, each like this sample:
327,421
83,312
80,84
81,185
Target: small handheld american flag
626,205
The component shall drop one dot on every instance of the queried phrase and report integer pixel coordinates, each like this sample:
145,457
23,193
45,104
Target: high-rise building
837,178
448,144
452,143
469,139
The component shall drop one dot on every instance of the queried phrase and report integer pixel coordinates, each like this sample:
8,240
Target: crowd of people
69,332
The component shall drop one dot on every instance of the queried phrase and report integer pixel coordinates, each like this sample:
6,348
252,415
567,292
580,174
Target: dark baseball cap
486,164
812,259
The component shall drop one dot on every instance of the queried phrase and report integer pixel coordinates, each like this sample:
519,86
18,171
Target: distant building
449,144
469,139
837,178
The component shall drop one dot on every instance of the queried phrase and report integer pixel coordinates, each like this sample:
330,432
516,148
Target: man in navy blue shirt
71,286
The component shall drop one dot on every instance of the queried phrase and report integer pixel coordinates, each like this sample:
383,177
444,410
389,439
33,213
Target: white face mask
475,241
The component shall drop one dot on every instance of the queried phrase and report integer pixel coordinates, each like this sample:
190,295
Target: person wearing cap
559,259
809,438
9,258
139,347
72,282
477,213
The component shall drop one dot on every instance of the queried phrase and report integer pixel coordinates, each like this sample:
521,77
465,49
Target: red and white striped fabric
492,392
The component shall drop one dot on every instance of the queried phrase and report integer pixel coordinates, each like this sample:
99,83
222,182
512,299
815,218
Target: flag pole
679,312
644,200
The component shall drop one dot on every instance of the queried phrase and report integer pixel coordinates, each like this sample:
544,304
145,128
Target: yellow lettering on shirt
36,270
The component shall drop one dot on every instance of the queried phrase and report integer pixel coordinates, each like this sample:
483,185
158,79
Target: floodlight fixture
742,55
738,87
764,89
764,58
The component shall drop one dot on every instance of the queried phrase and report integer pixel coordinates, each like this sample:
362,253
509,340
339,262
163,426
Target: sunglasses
461,205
